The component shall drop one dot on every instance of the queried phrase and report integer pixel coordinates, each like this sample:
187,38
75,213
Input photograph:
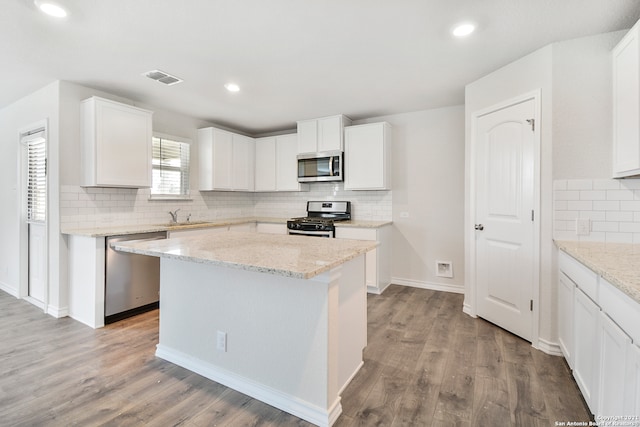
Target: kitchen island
279,318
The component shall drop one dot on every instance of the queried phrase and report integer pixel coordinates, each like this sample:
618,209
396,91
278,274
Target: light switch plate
583,226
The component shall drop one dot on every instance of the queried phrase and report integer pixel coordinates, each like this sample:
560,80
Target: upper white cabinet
277,165
115,144
367,157
626,105
226,160
320,135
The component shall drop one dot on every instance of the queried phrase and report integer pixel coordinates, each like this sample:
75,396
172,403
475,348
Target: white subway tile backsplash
613,206
88,207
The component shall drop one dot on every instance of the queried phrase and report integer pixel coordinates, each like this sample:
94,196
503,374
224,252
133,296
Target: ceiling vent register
162,77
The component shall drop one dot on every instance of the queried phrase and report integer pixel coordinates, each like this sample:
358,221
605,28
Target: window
36,147
170,167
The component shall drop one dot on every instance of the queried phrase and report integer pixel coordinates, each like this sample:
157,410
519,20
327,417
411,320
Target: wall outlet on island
221,341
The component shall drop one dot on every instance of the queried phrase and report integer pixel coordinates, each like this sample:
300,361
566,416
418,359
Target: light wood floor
427,364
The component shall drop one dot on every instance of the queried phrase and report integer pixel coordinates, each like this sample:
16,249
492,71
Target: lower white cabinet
377,261
586,355
632,383
599,333
566,290
613,362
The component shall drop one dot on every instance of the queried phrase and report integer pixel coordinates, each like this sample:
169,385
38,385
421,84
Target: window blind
36,176
170,167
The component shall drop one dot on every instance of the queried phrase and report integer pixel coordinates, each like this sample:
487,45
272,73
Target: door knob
479,227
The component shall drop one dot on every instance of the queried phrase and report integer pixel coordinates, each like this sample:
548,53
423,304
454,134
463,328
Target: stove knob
298,226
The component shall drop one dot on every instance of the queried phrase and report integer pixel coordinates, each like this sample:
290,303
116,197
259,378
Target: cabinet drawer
586,279
621,309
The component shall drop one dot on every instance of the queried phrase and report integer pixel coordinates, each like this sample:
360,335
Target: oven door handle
311,233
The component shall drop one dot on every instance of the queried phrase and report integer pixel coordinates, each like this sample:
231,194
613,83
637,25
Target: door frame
23,228
534,95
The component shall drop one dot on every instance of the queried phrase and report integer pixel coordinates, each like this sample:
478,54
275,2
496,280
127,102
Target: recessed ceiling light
463,29
51,9
232,87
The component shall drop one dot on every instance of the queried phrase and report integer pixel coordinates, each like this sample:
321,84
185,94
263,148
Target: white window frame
185,194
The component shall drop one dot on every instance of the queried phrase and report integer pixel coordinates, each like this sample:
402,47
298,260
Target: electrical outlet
583,226
221,341
444,269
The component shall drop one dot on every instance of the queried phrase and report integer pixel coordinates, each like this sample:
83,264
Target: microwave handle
331,165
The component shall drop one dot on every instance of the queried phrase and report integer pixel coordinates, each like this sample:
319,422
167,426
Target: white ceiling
293,59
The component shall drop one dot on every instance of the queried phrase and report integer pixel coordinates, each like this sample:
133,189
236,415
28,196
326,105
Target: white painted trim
536,95
466,308
351,378
549,347
58,312
34,301
268,395
9,289
445,287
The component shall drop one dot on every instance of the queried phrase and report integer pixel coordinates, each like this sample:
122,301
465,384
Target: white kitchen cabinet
586,348
243,163
225,160
377,261
613,363
265,171
367,157
632,383
276,164
626,105
566,289
115,144
323,134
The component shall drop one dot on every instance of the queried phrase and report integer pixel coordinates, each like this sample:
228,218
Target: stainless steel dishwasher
132,283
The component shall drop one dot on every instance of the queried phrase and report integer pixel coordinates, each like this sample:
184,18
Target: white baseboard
550,348
9,289
286,402
466,308
457,289
58,312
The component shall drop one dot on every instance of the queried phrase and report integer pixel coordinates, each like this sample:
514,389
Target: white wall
428,185
575,79
533,72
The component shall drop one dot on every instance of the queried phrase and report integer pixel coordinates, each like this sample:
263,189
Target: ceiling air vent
162,77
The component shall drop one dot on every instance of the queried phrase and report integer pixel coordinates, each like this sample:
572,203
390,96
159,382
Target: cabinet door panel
364,157
242,163
613,353
287,163
330,134
586,361
632,384
222,155
265,178
566,289
307,136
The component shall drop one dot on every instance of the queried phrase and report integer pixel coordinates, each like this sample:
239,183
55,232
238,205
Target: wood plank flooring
426,364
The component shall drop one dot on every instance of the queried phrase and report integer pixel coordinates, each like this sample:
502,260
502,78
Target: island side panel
282,343
86,280
352,331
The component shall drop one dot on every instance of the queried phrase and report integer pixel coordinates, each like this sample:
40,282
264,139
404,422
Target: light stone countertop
283,255
618,263
117,230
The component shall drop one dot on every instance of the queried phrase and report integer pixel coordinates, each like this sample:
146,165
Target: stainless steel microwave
313,167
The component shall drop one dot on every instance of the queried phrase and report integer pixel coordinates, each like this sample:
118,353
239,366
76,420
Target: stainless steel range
320,219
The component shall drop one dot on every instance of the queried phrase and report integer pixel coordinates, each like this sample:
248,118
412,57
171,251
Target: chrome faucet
174,216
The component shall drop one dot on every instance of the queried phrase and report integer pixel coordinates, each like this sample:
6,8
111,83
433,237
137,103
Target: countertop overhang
283,255
618,263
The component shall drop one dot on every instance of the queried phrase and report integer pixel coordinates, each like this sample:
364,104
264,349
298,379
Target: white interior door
504,203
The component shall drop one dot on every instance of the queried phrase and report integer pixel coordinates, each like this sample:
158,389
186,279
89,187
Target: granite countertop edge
358,247
612,261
